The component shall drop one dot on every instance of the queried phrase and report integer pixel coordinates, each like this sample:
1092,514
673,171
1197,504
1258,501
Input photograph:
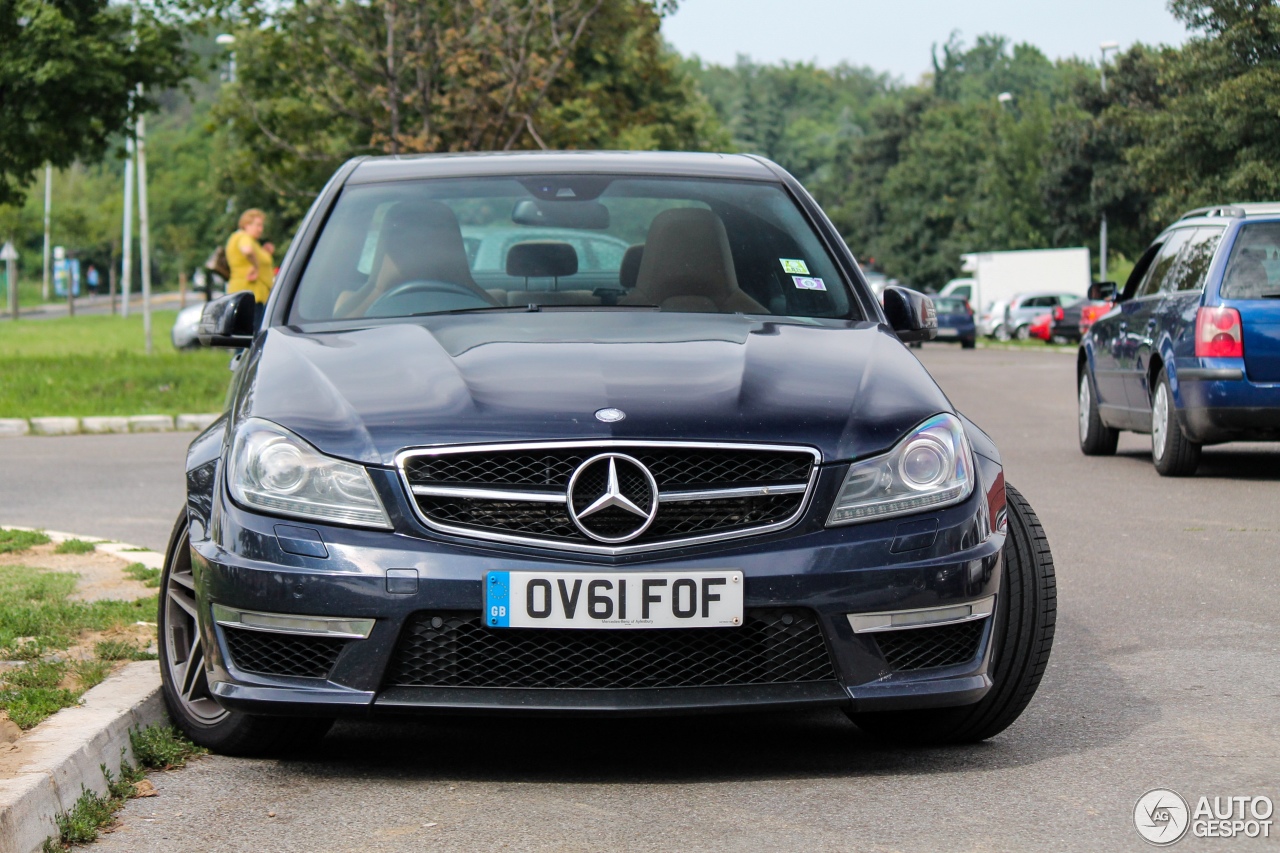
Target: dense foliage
997,148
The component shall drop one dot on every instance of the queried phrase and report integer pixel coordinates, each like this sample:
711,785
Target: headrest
629,272
542,259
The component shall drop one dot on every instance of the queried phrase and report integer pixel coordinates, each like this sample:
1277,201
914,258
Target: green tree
68,71
321,81
1217,137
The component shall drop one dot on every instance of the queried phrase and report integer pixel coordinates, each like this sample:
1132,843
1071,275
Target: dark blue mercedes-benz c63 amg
665,454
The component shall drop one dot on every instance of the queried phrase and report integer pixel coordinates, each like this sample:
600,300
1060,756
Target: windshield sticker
808,283
794,266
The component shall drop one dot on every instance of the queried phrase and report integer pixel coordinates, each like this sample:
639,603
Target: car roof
502,163
1241,210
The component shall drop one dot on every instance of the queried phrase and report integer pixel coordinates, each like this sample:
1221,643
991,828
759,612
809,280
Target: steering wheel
406,298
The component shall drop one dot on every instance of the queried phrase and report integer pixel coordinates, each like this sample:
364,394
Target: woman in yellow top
250,261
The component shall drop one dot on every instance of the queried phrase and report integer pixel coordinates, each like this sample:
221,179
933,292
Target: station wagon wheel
1096,439
1020,639
184,674
1173,453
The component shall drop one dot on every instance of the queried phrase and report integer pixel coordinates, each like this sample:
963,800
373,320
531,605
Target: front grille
925,648
282,654
693,470
453,649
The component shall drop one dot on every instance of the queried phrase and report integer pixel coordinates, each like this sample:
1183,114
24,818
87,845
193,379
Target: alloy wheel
1160,422
185,656
1085,402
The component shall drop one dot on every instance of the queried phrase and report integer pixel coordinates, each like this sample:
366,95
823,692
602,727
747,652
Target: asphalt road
1165,673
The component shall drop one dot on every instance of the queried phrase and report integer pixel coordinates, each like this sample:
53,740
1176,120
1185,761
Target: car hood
850,389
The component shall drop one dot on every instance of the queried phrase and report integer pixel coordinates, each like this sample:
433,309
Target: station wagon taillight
1219,333
1058,314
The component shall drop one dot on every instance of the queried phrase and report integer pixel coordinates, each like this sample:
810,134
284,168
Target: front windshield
433,246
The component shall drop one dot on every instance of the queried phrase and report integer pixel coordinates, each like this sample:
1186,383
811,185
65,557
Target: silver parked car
1023,310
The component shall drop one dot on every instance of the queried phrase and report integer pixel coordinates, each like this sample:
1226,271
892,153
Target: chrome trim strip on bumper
334,627
1210,374
582,548
925,617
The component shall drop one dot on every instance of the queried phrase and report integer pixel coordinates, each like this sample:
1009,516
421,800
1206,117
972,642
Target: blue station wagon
1191,352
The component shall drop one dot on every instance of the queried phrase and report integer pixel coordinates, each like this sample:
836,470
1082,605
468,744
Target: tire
1023,332
183,681
1096,439
1173,453
968,343
1025,616
1002,333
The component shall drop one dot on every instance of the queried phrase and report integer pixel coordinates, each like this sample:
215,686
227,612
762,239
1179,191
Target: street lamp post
48,206
1102,231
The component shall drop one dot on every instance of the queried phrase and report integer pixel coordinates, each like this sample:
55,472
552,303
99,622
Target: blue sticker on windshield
806,283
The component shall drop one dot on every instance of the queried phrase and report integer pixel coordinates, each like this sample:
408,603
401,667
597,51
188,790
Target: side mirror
910,313
227,321
1103,290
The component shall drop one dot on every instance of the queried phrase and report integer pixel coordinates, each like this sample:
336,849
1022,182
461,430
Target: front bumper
951,556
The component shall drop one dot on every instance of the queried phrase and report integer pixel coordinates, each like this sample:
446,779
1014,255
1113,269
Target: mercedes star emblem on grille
610,416
612,498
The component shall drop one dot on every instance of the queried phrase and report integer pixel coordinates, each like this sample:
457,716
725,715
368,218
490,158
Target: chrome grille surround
523,493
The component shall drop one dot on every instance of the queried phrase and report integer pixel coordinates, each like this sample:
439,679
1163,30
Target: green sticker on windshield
794,266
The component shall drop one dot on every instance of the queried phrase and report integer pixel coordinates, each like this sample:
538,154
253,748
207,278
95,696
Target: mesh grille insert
674,469
925,648
282,654
453,649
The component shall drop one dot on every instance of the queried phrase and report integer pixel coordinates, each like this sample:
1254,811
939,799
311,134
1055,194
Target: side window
1164,263
1190,271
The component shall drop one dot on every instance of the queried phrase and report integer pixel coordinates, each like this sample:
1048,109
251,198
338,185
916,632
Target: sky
897,36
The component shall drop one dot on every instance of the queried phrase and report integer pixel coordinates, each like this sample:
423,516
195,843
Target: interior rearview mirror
228,321
561,214
910,313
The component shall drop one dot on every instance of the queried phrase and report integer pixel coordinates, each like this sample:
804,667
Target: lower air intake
453,649
926,648
282,654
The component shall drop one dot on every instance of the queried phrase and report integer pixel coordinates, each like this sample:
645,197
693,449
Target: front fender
203,457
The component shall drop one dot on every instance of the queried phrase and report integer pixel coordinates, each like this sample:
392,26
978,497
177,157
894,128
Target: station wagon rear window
1253,271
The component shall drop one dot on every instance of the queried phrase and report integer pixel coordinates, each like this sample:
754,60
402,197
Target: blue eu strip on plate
497,595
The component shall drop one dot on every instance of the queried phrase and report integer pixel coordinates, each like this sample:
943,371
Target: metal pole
11,278
48,206
126,242
1102,251
144,230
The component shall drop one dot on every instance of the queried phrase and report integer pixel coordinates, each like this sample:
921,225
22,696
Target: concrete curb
13,427
65,754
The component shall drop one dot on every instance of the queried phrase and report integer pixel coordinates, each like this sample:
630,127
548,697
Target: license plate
947,333
617,600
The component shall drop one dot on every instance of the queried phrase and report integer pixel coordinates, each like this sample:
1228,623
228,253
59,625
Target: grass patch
97,365
121,650
37,620
73,546
12,541
139,572
162,747
154,748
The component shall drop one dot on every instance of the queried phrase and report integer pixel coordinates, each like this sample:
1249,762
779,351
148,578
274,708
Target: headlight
932,467
274,470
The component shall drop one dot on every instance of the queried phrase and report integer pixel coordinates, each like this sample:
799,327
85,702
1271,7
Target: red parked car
1040,327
